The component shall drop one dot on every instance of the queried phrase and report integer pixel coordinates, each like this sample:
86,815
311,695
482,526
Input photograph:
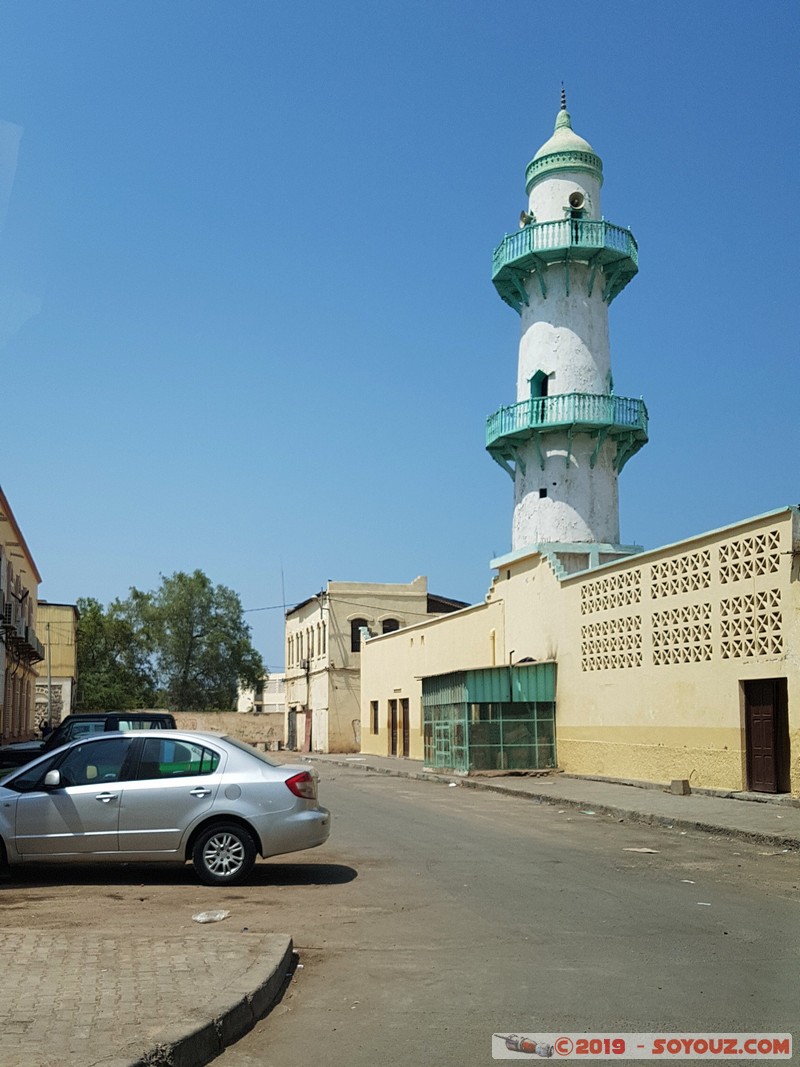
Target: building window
311,643
373,707
390,625
355,634
539,383
322,646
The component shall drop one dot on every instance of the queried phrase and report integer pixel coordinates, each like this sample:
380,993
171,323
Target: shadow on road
143,874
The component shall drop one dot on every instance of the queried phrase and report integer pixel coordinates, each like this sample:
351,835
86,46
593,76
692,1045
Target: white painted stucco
549,198
564,334
582,505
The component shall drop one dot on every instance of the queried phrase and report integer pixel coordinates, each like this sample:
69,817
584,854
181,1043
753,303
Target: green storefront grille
500,718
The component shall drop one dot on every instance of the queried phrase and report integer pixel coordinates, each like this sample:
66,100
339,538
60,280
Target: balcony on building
604,248
623,420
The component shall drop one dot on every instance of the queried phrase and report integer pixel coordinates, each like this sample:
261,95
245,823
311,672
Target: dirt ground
153,897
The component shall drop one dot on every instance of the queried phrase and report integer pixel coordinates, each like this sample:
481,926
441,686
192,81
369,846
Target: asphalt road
436,916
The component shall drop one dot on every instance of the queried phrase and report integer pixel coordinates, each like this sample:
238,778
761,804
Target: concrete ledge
250,998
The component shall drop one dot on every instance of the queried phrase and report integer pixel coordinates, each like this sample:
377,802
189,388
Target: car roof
120,714
210,735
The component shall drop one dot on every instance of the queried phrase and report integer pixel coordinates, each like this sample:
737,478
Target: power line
352,604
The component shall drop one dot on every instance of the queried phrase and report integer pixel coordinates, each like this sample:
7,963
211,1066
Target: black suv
81,725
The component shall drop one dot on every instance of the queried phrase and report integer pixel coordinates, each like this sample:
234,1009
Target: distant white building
267,699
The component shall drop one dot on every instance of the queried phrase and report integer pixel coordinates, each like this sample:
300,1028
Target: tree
197,641
113,670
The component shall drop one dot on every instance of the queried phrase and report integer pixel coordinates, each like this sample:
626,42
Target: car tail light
303,785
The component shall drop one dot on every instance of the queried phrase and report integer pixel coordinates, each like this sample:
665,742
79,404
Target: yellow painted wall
61,640
392,667
652,652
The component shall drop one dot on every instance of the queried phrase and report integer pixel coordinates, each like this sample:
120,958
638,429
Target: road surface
437,916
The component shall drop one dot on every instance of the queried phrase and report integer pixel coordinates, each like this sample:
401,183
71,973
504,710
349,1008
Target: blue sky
246,315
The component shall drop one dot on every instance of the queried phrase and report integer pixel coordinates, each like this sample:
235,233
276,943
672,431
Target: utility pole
49,679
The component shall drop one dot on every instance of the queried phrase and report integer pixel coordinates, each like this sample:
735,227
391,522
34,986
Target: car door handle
105,797
199,791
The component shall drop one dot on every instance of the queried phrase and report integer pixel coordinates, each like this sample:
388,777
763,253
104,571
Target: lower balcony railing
623,419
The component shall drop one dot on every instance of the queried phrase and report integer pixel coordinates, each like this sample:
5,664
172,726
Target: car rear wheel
223,854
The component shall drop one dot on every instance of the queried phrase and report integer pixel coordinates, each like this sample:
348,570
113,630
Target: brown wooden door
767,735
406,732
393,727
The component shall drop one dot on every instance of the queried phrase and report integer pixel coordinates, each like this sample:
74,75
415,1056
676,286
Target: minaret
568,436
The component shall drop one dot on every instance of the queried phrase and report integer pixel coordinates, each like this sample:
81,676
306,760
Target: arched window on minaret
539,384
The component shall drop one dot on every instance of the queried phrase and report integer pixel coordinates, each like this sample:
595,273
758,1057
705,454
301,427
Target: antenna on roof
563,98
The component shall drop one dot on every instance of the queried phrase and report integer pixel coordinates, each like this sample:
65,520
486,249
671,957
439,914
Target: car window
75,730
250,750
141,724
174,758
94,762
30,779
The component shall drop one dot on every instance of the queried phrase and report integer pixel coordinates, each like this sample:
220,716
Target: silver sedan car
160,795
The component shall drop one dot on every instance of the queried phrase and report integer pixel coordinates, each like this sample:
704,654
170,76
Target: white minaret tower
568,436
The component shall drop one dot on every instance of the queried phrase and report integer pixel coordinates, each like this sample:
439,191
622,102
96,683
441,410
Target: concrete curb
627,814
249,999
646,818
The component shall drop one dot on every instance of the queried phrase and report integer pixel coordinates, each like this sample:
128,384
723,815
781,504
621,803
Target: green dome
564,151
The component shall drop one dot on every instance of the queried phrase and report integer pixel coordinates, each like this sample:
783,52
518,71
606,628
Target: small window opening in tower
542,493
539,384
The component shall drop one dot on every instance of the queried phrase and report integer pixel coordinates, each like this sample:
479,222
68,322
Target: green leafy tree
197,640
113,667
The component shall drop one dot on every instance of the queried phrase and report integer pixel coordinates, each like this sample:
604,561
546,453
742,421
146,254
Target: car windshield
250,750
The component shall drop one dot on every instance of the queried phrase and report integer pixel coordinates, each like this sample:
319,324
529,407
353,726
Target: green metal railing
541,238
600,244
564,410
622,419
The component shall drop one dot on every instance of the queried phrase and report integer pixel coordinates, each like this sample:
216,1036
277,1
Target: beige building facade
678,663
56,687
324,638
20,648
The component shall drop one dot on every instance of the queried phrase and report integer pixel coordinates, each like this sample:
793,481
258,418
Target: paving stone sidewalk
78,999
754,817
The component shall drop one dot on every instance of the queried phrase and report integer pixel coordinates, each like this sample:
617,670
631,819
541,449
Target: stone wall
264,730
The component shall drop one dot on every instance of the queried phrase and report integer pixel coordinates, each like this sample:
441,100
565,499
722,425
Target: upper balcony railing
594,241
623,419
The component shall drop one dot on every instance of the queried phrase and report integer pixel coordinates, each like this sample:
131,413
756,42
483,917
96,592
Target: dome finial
562,118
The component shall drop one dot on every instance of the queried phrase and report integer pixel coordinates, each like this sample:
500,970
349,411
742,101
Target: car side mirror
52,779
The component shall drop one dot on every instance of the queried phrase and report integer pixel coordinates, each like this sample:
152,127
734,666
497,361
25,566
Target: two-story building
20,648
324,635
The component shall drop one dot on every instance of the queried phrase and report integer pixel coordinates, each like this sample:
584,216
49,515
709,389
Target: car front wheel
223,854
